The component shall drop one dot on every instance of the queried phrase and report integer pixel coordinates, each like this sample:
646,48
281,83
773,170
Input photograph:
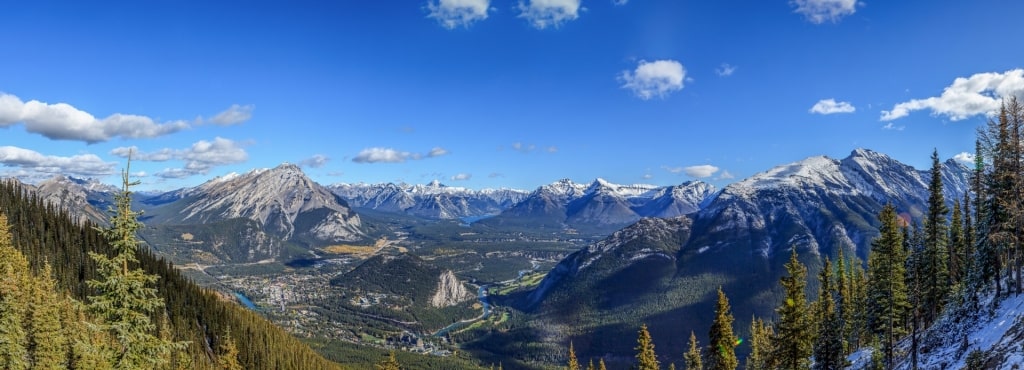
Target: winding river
481,294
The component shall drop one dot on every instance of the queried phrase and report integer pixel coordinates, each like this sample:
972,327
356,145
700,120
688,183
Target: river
246,301
481,295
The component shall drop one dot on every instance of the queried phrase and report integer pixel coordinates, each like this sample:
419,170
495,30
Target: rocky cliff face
282,199
450,291
83,199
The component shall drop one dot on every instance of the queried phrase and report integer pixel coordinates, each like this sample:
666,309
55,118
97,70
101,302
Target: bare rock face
450,291
279,199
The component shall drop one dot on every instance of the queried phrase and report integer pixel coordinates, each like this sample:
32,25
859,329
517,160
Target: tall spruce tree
227,353
126,297
722,351
887,291
47,345
645,357
828,344
760,357
934,262
956,246
15,281
693,358
793,332
573,364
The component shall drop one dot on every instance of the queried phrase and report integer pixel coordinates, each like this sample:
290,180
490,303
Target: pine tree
48,347
14,282
760,357
573,363
391,363
227,353
692,358
886,291
793,335
828,344
956,246
935,259
722,354
126,297
590,366
645,357
600,365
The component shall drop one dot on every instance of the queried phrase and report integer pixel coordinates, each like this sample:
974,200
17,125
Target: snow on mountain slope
277,198
433,200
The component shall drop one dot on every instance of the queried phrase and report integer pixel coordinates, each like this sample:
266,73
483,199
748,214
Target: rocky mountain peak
450,291
276,198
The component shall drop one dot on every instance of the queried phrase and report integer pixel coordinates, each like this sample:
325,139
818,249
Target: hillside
195,314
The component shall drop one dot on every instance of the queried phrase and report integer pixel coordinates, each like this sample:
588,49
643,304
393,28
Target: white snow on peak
811,172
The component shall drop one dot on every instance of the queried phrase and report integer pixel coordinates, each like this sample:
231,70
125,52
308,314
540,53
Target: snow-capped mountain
818,203
282,199
433,200
83,199
739,240
602,205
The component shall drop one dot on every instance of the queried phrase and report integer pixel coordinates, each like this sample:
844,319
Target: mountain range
433,200
664,272
601,207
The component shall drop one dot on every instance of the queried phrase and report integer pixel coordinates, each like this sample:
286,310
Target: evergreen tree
956,246
227,353
935,288
573,363
828,344
692,359
600,365
760,357
590,366
14,294
126,297
391,363
886,291
793,335
645,357
48,346
722,354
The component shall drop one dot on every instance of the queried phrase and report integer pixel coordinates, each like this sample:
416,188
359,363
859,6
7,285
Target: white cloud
523,148
980,94
725,175
462,177
436,152
61,121
648,176
316,161
725,70
965,158
552,149
34,163
831,106
458,13
495,175
821,11
701,171
545,13
199,158
891,126
233,115
388,155
654,79
620,2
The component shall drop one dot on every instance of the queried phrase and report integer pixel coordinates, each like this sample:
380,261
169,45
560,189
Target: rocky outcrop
450,291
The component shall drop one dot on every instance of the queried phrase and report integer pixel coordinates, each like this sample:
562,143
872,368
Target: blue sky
494,93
